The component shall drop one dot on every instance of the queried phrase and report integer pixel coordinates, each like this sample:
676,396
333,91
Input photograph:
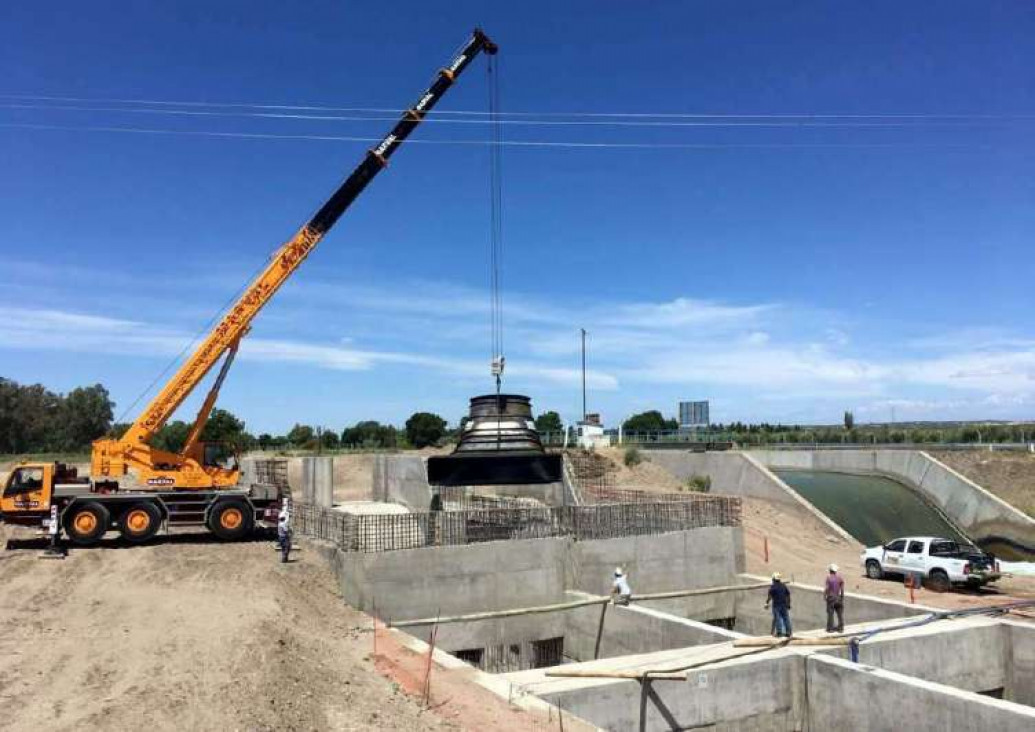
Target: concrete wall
987,519
809,609
402,479
763,694
739,474
1020,672
706,557
452,580
857,698
631,629
968,657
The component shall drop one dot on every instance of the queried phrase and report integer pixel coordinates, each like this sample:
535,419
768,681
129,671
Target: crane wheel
231,519
85,524
140,522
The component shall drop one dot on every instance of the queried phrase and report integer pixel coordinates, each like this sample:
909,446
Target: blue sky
785,266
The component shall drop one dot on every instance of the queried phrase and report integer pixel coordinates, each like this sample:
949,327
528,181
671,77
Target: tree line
35,419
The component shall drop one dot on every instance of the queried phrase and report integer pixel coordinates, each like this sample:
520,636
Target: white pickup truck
942,562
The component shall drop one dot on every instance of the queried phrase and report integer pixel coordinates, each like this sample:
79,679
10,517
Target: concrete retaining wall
809,609
706,557
632,629
402,479
415,583
739,474
763,694
988,520
1020,674
857,698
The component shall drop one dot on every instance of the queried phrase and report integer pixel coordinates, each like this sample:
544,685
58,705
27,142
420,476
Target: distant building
589,433
693,415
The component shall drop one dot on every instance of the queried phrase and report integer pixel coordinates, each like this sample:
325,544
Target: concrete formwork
984,517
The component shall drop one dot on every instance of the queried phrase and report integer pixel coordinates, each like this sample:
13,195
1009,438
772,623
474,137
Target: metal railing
392,532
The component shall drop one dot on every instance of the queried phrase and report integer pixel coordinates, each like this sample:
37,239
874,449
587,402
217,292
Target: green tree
224,427
265,440
849,420
651,421
424,429
86,415
549,422
329,439
172,436
369,434
300,435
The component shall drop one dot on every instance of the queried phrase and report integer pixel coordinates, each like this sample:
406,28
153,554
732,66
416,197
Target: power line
658,115
505,143
754,122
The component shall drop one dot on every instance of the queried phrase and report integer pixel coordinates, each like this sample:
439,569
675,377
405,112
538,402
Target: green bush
632,457
699,483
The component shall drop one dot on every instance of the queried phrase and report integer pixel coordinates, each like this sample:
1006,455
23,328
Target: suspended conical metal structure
499,445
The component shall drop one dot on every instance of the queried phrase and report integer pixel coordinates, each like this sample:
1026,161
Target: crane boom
113,457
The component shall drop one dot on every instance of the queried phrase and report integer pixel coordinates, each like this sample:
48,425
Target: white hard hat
618,571
833,568
777,576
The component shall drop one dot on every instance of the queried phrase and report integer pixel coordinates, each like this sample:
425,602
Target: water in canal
872,508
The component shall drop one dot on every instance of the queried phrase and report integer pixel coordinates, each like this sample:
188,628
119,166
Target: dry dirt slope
186,636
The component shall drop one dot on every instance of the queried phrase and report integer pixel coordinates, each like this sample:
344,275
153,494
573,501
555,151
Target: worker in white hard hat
780,598
834,594
620,590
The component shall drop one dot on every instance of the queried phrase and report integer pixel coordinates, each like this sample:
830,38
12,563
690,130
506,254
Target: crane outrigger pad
494,468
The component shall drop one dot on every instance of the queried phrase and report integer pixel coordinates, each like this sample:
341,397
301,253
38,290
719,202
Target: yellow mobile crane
186,488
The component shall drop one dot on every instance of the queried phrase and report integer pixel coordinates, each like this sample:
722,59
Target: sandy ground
644,476
196,634
1009,475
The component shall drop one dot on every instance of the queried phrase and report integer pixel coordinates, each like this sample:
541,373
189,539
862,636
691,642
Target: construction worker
834,594
780,599
620,590
284,532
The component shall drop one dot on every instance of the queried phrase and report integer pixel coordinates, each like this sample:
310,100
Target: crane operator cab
29,490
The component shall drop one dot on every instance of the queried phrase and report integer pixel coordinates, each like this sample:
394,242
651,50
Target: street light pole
583,330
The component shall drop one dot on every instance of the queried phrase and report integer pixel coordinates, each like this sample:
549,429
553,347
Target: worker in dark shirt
780,599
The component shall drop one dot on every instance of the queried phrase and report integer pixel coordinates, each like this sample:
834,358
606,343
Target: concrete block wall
849,697
985,518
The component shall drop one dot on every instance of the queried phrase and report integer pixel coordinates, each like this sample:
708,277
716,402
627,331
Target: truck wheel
873,570
85,524
140,522
939,581
231,520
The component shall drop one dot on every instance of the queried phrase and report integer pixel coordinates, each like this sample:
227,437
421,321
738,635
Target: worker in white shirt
620,590
284,532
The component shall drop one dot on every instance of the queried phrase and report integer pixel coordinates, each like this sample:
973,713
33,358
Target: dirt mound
187,634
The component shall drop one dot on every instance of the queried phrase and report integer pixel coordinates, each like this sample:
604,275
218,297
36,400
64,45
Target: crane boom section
288,258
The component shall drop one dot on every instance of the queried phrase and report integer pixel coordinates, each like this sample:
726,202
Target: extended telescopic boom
115,457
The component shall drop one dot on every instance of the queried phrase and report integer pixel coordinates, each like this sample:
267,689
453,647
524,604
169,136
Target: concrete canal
872,508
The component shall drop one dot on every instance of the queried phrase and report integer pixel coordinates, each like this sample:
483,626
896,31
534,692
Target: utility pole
583,330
